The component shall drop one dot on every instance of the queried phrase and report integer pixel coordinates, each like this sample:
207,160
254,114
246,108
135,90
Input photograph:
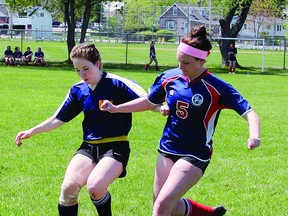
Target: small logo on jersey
101,102
171,92
197,100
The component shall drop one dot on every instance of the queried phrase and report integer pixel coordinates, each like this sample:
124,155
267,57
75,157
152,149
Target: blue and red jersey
98,124
194,110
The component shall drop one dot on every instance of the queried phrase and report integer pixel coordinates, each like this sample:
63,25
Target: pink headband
189,50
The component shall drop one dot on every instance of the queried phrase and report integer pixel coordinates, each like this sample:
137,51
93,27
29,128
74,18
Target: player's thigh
162,171
105,172
183,175
79,169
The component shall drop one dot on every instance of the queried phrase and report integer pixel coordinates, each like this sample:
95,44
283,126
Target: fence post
126,48
284,54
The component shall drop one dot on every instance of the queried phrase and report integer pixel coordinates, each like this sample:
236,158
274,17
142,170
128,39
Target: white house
36,19
272,26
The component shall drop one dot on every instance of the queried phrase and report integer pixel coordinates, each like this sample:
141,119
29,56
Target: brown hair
86,51
197,38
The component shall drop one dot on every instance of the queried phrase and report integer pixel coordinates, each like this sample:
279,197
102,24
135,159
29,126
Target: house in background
37,20
179,18
4,15
272,26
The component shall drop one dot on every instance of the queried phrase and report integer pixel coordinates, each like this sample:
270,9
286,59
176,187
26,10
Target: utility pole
210,4
153,14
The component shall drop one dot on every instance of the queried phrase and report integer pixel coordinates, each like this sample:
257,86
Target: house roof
184,8
3,11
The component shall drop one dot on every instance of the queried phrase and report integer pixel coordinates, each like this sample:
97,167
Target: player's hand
253,143
22,135
108,106
164,109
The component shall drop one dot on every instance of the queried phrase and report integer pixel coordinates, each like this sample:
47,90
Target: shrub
166,34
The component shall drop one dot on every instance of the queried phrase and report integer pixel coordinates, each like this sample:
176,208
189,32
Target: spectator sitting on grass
8,56
27,56
39,57
18,56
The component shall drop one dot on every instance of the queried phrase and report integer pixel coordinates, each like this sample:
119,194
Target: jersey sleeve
70,107
232,99
132,90
157,92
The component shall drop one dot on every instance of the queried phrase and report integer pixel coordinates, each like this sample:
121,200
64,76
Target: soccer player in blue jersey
18,56
39,57
27,57
195,98
104,152
8,56
152,57
232,52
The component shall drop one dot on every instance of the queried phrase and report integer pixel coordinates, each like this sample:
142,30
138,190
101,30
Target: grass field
137,54
248,183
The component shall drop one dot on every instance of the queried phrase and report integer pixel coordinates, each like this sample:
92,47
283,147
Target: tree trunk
86,18
231,31
69,15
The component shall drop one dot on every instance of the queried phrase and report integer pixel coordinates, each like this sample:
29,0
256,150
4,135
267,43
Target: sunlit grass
246,182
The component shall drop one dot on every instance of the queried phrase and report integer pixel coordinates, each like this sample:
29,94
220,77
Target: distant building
36,19
4,15
272,26
179,18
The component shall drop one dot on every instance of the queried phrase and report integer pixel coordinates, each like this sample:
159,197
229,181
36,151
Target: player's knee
96,189
69,193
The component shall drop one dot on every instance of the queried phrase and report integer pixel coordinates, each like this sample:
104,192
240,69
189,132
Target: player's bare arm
137,105
47,125
254,129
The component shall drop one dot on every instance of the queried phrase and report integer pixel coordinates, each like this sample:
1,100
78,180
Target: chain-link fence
23,37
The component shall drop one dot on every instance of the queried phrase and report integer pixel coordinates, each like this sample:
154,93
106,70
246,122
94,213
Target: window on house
244,26
191,11
175,10
268,27
279,28
170,25
41,14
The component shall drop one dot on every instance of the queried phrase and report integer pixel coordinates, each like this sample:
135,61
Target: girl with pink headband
195,98
191,51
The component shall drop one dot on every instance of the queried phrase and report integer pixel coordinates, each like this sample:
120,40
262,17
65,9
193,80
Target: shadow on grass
138,68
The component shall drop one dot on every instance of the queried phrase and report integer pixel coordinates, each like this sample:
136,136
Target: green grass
248,183
137,54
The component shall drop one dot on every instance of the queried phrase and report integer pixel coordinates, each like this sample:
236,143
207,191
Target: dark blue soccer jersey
39,54
194,110
8,53
98,124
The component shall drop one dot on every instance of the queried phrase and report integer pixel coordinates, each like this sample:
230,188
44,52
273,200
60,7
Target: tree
240,9
229,30
71,10
90,6
69,18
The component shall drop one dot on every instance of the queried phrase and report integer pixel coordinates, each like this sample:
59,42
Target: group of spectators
19,58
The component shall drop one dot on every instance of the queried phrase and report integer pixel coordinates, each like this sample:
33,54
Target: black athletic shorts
119,150
194,161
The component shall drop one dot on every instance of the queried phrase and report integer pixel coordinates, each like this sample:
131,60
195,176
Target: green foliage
166,34
147,35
